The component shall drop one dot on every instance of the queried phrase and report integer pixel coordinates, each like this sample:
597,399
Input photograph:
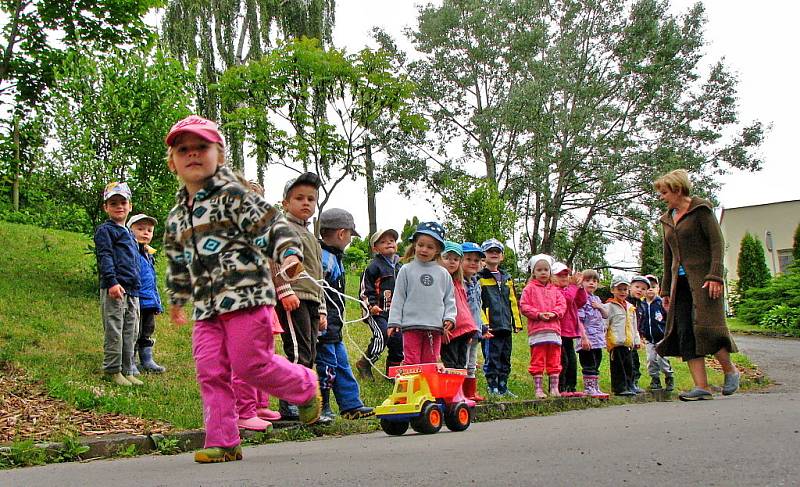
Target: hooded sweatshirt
542,298
423,298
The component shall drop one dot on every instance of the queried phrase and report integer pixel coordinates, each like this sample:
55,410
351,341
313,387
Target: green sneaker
117,379
217,454
310,411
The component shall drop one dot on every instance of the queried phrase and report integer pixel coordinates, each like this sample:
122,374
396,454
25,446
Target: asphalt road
745,439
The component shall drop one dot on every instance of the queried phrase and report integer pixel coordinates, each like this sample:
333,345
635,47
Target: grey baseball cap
619,280
308,178
337,218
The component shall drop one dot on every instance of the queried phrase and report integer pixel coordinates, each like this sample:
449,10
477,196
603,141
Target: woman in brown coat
693,285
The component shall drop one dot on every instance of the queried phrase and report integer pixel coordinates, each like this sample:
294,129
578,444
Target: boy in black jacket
377,286
118,264
333,365
652,323
499,302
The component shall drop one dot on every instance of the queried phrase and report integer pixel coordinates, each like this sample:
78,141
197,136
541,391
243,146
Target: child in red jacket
455,342
571,327
544,306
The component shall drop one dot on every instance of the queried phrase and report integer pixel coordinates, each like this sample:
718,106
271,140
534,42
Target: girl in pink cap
218,238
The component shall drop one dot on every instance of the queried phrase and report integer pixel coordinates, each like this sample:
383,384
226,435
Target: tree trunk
369,166
18,164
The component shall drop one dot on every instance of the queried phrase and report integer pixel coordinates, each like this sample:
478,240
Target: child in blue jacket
652,323
142,227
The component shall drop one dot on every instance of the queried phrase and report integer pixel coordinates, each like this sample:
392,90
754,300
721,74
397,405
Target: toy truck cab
425,396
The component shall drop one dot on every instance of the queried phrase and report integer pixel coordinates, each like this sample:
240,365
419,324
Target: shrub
781,317
752,265
757,302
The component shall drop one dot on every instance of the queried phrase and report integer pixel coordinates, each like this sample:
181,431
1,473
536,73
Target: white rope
323,284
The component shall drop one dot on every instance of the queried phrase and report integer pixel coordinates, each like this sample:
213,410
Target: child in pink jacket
544,306
571,327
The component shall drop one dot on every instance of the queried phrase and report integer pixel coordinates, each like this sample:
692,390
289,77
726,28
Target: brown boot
364,368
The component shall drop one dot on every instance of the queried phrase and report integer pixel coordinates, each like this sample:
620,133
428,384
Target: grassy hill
50,327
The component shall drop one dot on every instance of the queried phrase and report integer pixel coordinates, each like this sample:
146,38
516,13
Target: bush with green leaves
783,290
781,317
357,255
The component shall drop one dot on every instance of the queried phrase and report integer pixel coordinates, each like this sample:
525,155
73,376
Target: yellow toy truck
425,396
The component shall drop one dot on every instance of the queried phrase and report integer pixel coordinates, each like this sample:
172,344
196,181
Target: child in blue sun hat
423,305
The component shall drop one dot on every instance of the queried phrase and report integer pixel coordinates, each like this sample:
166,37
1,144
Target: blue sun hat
472,247
453,247
432,229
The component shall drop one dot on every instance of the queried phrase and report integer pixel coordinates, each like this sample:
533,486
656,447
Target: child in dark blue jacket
118,265
142,227
333,365
652,323
377,289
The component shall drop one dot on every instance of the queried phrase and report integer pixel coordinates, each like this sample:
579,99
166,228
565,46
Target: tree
215,36
110,115
307,108
36,36
752,265
796,246
651,256
476,212
572,109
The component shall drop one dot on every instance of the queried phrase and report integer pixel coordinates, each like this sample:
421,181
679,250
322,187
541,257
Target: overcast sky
757,38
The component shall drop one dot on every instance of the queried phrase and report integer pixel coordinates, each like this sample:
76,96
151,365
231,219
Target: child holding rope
216,240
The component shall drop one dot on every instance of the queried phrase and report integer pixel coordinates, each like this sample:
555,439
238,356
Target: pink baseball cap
195,124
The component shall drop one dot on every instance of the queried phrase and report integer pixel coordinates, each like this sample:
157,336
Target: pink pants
421,346
249,398
240,342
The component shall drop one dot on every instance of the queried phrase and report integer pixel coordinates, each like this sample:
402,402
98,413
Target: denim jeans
333,368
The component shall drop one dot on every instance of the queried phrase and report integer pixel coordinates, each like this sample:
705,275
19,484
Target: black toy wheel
458,417
430,421
394,428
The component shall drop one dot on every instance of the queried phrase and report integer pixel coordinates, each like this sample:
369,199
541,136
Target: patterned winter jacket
217,247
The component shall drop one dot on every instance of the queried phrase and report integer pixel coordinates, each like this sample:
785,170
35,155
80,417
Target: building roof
722,215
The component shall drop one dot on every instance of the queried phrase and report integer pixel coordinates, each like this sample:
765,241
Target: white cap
558,267
536,258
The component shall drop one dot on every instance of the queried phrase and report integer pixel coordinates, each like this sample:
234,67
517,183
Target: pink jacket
465,323
576,298
541,298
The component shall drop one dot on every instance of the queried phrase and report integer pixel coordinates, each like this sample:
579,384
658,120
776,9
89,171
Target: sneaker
117,379
731,383
358,413
695,394
268,414
288,412
217,454
326,418
636,389
655,384
310,412
133,380
254,424
625,393
509,394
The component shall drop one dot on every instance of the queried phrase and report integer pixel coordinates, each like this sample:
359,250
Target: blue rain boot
148,364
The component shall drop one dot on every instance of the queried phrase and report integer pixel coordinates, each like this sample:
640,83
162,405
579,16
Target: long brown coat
696,243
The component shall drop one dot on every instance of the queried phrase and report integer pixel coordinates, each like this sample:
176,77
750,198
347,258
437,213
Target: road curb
115,445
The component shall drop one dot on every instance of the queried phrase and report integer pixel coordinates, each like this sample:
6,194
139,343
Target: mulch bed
752,374
28,413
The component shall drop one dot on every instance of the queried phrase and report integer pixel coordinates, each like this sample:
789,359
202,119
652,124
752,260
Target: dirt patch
27,412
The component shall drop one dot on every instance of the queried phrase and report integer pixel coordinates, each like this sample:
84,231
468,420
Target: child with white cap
142,227
544,306
118,265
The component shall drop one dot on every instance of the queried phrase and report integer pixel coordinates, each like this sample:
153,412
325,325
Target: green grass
50,326
738,326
